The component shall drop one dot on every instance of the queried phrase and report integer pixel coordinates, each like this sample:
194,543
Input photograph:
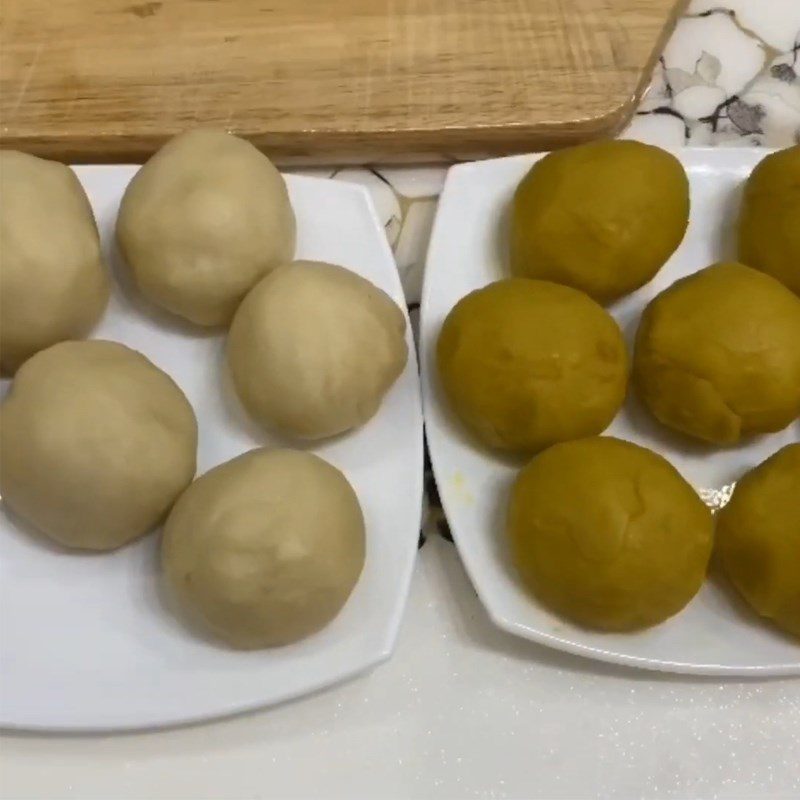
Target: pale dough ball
53,284
314,348
96,443
265,549
202,221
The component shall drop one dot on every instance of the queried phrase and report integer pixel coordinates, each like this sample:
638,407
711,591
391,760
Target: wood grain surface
323,80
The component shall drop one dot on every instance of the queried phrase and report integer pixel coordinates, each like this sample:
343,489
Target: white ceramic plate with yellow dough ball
85,641
716,633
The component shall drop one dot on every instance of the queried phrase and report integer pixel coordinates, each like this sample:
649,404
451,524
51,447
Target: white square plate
716,633
86,643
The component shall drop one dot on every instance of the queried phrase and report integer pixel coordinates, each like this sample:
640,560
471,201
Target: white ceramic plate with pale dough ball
85,641
716,634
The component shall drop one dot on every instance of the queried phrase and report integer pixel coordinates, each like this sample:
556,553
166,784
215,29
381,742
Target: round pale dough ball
601,217
265,549
202,221
608,534
314,348
53,284
526,363
758,538
96,443
717,354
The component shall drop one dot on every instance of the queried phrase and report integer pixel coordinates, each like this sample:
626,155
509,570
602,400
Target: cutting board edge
332,146
338,147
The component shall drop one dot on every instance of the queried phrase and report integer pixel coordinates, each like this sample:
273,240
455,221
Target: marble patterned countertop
463,710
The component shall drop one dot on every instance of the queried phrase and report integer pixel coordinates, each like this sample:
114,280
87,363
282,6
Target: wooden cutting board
324,80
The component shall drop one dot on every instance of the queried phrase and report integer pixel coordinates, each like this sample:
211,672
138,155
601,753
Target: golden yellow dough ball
758,538
602,217
608,534
769,222
717,354
527,363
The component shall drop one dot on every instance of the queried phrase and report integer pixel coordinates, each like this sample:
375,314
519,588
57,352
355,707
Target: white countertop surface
463,710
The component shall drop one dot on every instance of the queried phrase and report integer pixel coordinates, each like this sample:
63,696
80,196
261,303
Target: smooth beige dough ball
314,348
53,284
265,549
202,221
96,443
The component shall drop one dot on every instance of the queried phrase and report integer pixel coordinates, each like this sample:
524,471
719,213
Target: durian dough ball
608,534
53,283
758,538
717,354
769,222
202,222
314,348
526,363
602,217
96,443
265,549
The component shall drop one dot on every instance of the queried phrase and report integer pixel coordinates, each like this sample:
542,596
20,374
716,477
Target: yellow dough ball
717,354
527,363
758,538
53,283
769,223
602,217
202,222
96,442
265,549
608,534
